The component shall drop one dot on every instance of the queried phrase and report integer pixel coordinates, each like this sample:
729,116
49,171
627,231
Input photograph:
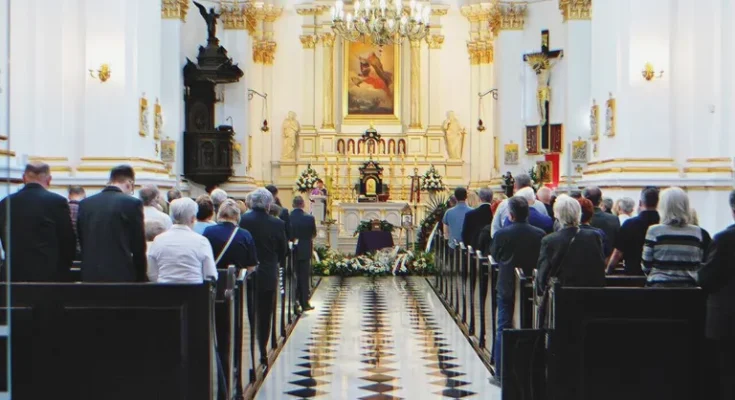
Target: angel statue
291,128
211,20
454,135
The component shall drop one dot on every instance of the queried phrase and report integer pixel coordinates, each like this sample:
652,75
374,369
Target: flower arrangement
431,181
366,226
435,209
382,263
307,180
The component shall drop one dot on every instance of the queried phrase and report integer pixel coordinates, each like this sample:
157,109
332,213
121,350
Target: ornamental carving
308,41
308,10
264,52
327,39
477,12
174,9
480,52
576,9
435,41
509,17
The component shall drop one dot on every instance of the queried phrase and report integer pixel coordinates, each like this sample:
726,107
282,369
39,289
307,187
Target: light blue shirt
200,226
454,219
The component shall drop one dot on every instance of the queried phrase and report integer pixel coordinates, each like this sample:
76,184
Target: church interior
368,115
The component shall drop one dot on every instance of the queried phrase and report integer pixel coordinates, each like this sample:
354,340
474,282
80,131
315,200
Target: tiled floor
383,338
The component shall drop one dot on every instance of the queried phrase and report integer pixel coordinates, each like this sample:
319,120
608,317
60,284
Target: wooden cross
542,62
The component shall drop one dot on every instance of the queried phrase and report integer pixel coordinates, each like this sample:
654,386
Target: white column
236,96
577,58
509,110
172,87
434,83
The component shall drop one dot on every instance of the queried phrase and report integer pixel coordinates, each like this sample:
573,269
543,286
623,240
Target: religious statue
454,135
211,20
542,65
291,128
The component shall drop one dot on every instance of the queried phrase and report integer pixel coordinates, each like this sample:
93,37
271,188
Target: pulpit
318,207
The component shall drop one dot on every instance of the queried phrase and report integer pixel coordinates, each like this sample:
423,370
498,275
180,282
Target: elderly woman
673,249
240,251
573,255
180,255
152,230
625,209
205,214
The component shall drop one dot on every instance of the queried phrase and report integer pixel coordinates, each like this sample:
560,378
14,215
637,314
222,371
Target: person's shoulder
276,221
726,235
535,230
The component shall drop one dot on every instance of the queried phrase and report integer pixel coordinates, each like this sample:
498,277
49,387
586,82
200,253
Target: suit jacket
717,277
284,216
609,224
583,266
515,246
270,244
303,228
474,221
112,236
43,242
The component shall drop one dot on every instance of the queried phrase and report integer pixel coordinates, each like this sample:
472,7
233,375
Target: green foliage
366,226
381,263
435,209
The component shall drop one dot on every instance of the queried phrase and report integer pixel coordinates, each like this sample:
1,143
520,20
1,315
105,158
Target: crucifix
542,62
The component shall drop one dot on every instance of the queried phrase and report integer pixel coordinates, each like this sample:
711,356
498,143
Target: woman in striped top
674,249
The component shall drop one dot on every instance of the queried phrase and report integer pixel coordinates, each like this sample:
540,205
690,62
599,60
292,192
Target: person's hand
250,269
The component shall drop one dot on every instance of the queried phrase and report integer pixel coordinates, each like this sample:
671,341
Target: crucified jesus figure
542,65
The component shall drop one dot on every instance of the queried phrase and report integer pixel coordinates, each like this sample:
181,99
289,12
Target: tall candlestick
349,178
392,176
404,195
326,166
338,189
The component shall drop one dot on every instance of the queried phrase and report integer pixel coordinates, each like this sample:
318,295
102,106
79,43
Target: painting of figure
371,80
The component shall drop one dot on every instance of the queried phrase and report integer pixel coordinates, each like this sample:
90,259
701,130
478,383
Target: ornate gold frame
595,115
610,104
395,118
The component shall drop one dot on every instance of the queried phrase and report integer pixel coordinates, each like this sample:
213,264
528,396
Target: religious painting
381,146
594,120
371,87
544,169
610,118
360,144
512,155
168,151
556,135
579,151
532,139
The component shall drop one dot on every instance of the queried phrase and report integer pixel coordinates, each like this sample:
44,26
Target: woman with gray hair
572,255
231,244
180,255
675,248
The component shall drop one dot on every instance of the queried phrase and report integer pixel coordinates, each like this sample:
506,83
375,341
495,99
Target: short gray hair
298,202
260,199
567,210
153,228
229,211
544,194
218,197
486,195
674,207
526,193
183,211
148,194
608,202
523,181
626,205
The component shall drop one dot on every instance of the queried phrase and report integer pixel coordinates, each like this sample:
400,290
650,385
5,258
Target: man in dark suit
477,219
514,246
608,223
42,242
270,244
283,215
717,277
111,232
303,229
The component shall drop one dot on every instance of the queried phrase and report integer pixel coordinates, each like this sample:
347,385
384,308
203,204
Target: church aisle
382,338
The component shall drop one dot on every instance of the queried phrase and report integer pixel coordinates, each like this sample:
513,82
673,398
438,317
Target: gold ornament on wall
594,120
308,41
157,120
580,151
174,9
649,73
143,125
576,9
103,74
264,52
168,151
610,117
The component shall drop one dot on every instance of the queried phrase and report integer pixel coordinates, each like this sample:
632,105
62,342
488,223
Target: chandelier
382,22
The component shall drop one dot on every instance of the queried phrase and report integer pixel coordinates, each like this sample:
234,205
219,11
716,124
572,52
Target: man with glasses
111,232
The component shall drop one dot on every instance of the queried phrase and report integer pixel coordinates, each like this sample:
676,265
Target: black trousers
261,316
725,355
303,267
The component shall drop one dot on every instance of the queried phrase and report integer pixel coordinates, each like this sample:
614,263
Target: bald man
42,241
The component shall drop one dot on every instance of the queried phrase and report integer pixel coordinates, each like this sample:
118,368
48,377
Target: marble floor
382,338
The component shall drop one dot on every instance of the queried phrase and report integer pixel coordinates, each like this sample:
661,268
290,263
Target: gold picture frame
168,151
580,151
511,154
594,121
143,125
610,117
157,120
362,64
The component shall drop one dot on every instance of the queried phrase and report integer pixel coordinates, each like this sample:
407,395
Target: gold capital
174,9
327,39
476,12
508,17
308,41
311,9
264,52
576,9
480,52
435,41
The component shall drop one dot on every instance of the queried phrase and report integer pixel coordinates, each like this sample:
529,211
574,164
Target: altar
351,214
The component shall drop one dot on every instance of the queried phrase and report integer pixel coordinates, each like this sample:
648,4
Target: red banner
553,160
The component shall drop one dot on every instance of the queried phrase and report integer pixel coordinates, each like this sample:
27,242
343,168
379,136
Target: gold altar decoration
403,177
350,186
371,87
264,52
649,73
143,125
610,117
594,121
435,41
311,9
250,152
576,9
327,40
415,85
481,52
174,9
477,12
392,178
236,152
157,120
246,14
338,187
308,41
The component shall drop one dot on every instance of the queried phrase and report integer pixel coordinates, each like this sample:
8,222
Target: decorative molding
576,10
174,9
477,12
508,17
327,39
481,52
246,15
435,41
264,52
311,9
633,160
308,41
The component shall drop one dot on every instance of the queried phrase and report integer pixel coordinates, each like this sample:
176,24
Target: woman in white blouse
180,255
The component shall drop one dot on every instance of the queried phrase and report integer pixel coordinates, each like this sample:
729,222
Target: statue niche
208,152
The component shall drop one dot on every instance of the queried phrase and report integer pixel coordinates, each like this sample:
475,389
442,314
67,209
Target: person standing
41,245
283,213
111,232
501,214
303,229
717,278
454,218
608,223
269,234
477,219
205,214
544,195
632,235
241,250
76,194
150,195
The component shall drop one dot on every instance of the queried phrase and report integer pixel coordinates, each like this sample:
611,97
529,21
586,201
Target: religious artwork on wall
511,154
544,171
454,134
402,147
392,146
371,88
168,151
291,129
143,125
351,146
579,151
236,153
360,146
532,139
341,146
157,120
557,138
594,120
610,118
381,146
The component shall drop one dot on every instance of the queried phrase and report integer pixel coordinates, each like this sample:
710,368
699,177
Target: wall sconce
649,73
103,74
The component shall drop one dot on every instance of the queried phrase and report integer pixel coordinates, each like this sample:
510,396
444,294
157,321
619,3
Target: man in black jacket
42,244
303,229
717,277
608,223
477,219
111,232
270,244
283,215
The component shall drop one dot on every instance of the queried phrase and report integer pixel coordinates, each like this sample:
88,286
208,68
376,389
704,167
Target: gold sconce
649,73
103,74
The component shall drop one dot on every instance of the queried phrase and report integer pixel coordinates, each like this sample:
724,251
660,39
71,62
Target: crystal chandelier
382,22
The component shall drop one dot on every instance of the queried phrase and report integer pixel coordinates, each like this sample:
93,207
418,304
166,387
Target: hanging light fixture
382,22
